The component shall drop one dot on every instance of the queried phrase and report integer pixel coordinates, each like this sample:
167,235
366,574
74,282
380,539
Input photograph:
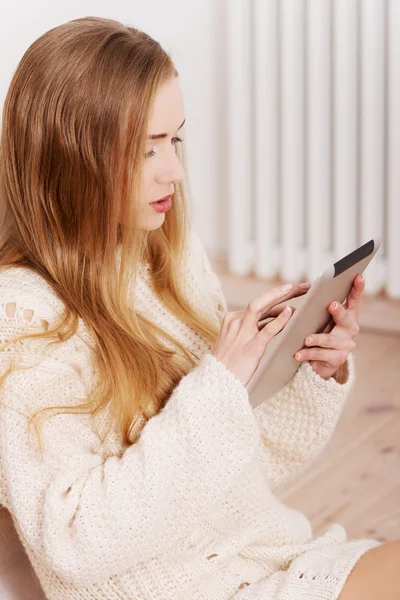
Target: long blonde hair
72,146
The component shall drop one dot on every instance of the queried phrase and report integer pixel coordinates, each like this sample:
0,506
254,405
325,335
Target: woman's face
162,167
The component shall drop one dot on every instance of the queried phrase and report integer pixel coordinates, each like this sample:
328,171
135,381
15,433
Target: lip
163,206
165,198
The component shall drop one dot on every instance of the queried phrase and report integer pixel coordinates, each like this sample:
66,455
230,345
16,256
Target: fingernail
298,356
287,287
304,286
361,279
308,340
334,305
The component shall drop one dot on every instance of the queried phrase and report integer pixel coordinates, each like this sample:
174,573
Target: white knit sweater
189,511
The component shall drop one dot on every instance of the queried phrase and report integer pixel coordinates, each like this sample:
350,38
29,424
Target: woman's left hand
327,352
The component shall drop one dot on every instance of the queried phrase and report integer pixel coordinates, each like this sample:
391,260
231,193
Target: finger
345,319
327,340
275,312
332,358
298,289
263,305
340,315
275,326
323,340
330,325
261,324
353,300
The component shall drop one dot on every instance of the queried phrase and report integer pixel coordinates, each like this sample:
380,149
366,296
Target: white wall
192,32
317,138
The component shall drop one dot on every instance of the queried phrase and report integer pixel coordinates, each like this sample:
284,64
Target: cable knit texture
189,512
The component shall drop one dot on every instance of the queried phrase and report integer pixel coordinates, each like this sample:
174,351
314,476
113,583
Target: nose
173,171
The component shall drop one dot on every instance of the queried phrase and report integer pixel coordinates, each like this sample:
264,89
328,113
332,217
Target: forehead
168,109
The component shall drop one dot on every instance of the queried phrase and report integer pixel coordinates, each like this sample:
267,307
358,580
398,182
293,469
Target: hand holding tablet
240,344
278,364
328,351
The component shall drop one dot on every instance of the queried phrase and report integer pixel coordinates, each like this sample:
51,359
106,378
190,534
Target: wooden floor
355,481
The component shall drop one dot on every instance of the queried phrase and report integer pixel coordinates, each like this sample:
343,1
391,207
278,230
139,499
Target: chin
154,223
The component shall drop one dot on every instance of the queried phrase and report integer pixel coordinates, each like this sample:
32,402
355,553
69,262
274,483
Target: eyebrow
159,136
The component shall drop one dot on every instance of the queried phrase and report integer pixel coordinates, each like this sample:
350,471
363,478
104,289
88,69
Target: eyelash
152,153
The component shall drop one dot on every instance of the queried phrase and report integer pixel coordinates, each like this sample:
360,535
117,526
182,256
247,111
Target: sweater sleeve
297,422
88,518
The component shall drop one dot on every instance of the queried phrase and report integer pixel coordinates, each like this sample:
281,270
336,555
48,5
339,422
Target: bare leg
376,576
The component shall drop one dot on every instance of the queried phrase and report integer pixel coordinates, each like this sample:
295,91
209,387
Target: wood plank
356,479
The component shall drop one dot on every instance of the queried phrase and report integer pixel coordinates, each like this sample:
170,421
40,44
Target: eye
175,140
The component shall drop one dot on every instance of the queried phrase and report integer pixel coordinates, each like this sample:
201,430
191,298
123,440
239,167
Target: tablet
278,365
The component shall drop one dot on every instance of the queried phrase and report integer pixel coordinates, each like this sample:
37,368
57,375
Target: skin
328,352
376,576
164,169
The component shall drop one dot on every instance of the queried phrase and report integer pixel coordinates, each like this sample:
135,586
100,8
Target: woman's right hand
241,343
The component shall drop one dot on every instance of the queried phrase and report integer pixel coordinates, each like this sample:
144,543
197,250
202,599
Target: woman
147,474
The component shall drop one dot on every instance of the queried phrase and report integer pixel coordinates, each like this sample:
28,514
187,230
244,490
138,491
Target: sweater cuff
223,376
307,376
228,391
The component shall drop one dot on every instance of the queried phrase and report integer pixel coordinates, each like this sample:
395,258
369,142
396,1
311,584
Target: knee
376,575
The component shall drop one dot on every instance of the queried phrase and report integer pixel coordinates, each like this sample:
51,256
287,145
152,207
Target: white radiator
313,109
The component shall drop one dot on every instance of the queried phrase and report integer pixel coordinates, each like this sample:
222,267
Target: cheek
148,175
